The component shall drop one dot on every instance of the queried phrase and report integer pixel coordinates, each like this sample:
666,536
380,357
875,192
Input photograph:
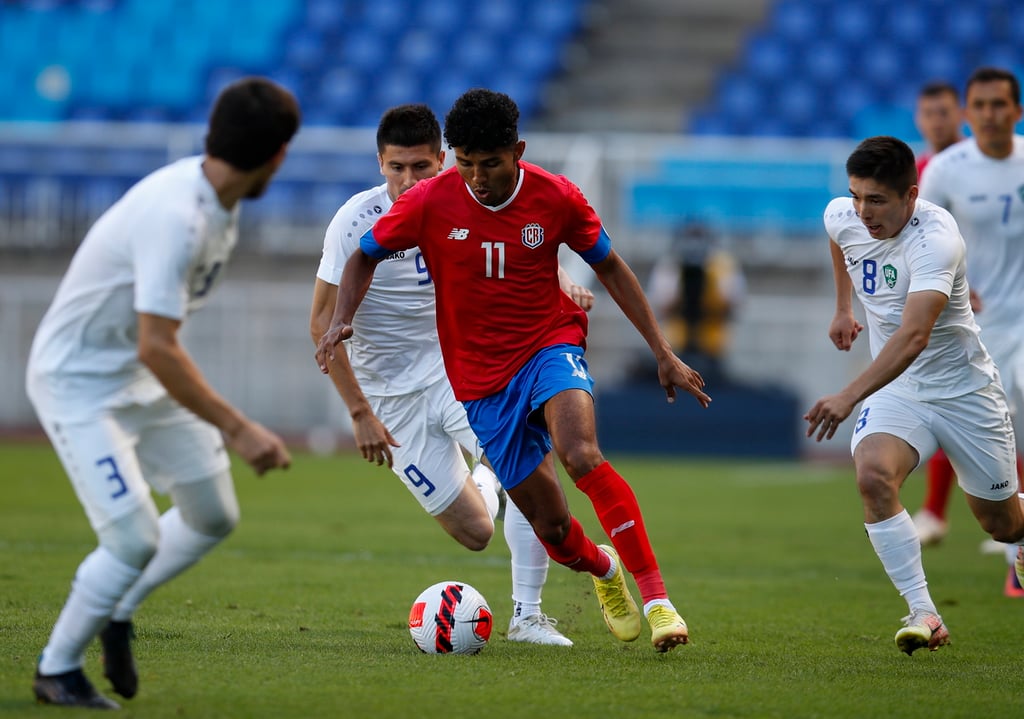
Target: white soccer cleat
538,629
923,629
930,529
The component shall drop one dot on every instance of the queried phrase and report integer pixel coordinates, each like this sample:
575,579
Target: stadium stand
161,60
836,69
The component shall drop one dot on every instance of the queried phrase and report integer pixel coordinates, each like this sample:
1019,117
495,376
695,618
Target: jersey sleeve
338,247
934,258
161,258
400,228
584,232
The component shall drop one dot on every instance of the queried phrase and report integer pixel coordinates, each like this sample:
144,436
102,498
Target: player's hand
844,330
325,347
826,415
581,296
259,447
373,439
976,304
673,372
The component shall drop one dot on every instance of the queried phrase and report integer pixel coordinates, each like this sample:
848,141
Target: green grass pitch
302,612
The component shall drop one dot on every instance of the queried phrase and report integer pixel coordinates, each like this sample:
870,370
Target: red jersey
495,269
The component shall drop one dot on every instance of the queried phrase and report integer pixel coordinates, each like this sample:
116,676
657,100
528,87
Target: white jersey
986,196
928,254
159,250
394,348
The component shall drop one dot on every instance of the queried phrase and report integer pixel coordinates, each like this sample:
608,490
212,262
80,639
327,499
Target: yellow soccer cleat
668,630
620,611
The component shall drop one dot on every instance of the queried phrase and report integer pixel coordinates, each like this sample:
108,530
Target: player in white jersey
980,180
931,382
127,409
392,377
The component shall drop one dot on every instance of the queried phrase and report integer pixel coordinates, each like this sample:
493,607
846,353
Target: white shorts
432,428
115,458
974,430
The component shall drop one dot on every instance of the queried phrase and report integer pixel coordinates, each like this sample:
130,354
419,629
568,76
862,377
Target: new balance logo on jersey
458,233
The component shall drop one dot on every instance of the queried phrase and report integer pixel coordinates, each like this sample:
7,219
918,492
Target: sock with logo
619,513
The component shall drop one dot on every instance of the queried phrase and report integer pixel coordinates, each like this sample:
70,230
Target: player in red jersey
489,230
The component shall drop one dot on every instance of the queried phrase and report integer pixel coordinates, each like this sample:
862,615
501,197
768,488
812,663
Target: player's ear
912,193
519,149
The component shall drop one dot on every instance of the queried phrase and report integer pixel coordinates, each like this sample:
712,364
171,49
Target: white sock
179,548
896,544
529,564
100,581
657,603
487,482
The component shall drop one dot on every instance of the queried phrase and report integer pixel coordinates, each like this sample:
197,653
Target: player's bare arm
577,293
624,288
919,316
160,351
844,328
371,436
355,281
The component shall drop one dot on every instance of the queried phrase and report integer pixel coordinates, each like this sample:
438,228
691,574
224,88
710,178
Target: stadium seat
796,21
769,57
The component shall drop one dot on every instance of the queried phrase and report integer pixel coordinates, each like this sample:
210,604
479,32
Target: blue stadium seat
329,17
305,49
422,49
855,22
796,21
912,21
340,94
826,62
534,56
557,20
769,57
966,24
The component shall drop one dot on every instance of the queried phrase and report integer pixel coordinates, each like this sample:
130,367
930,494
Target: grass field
302,612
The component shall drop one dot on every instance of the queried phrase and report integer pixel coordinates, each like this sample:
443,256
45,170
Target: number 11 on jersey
494,254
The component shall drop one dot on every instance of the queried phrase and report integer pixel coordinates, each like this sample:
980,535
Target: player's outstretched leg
118,662
70,689
923,629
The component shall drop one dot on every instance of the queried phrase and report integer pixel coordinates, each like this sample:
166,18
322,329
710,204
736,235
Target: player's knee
580,458
133,538
475,535
1001,529
218,521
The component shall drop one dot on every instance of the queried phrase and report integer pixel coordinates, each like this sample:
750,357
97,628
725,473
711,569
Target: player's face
883,211
992,115
403,167
492,176
938,120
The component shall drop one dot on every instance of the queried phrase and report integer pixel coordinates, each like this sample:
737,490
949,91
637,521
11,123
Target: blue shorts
510,426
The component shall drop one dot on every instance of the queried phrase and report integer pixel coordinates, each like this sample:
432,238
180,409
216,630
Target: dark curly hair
482,121
409,126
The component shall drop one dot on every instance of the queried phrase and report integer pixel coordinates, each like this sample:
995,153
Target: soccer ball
450,618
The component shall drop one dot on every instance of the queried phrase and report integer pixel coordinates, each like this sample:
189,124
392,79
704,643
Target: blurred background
709,136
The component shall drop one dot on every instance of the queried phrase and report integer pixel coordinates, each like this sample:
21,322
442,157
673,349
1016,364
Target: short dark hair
937,88
887,160
409,126
251,120
482,120
991,74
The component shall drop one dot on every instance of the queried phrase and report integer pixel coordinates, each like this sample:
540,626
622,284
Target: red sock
940,482
617,510
578,552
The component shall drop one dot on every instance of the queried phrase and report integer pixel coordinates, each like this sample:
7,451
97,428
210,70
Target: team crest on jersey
889,272
533,235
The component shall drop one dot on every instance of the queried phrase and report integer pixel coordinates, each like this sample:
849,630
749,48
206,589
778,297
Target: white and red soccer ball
450,618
